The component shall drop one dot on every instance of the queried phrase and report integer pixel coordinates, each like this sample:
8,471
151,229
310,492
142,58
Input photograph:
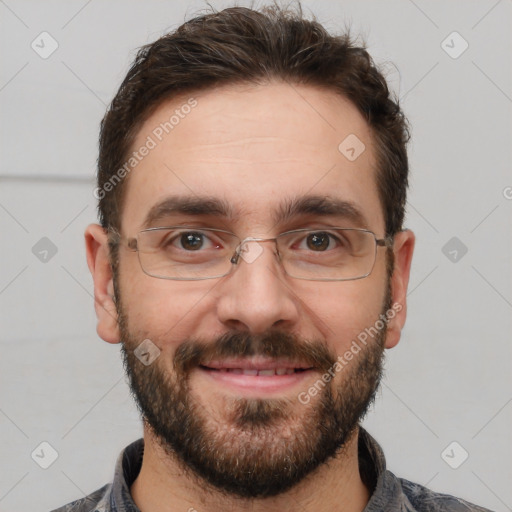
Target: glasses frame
132,244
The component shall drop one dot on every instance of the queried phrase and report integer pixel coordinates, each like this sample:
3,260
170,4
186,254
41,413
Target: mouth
256,375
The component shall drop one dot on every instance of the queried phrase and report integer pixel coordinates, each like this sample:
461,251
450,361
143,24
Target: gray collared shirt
390,494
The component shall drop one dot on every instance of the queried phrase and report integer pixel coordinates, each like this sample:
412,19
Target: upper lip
255,364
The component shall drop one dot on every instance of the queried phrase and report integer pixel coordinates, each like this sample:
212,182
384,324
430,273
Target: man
252,261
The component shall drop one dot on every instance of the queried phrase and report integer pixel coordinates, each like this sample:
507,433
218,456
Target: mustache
272,344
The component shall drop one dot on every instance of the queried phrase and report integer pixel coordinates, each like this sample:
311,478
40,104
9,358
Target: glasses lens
185,252
328,254
188,253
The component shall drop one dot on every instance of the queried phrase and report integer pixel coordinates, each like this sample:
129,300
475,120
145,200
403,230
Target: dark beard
262,447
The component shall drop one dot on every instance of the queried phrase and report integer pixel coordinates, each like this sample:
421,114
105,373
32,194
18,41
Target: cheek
341,311
152,306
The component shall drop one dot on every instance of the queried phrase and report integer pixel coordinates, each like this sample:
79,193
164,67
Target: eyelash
301,238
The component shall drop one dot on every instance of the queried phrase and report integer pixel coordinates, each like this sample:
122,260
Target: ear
403,248
96,244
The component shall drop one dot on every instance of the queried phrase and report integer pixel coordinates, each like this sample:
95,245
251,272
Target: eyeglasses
186,253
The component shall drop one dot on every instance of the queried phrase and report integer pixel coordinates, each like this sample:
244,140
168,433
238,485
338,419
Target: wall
448,380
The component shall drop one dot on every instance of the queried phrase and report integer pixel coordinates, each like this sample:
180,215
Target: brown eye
191,241
318,241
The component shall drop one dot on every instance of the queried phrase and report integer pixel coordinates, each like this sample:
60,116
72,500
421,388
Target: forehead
257,150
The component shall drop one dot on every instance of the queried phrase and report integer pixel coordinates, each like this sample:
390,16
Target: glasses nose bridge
240,248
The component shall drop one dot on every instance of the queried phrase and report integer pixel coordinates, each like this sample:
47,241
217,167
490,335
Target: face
256,149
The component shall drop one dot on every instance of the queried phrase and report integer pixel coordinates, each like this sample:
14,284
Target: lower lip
257,383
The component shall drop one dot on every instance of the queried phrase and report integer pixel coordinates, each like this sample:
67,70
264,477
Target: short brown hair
242,45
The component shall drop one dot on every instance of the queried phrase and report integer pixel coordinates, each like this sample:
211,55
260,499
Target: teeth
264,373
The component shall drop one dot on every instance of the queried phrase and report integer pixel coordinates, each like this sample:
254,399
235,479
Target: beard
251,447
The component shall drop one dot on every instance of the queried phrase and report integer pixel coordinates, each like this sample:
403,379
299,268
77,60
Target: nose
257,295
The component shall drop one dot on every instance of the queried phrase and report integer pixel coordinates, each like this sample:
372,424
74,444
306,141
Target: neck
162,486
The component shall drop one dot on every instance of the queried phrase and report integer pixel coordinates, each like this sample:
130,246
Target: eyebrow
188,205
322,206
310,205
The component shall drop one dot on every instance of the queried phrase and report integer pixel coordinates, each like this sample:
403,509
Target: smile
256,375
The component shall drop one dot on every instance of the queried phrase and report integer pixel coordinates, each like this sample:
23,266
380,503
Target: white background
448,380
